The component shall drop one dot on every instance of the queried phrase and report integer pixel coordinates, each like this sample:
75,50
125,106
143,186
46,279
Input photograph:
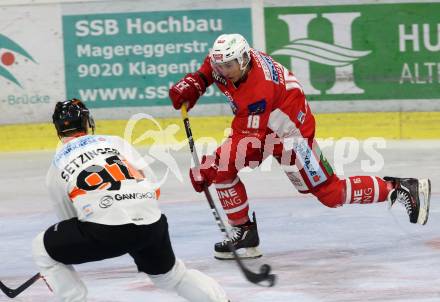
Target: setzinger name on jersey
83,158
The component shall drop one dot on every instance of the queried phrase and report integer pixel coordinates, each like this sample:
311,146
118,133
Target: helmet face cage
72,116
230,47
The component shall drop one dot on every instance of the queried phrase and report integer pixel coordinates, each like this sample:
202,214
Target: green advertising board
359,52
131,59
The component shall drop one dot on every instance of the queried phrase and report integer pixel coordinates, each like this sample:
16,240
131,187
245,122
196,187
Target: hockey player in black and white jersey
107,200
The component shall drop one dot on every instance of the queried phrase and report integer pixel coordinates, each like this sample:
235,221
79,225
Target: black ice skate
414,194
244,237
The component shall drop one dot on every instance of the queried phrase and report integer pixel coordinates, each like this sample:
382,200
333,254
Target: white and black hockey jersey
102,179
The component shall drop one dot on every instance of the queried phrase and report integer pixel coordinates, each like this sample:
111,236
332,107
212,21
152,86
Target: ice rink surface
353,253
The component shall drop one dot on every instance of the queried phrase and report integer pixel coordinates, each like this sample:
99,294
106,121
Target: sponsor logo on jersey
125,196
87,210
310,163
219,78
106,201
268,66
257,107
262,65
231,102
74,145
281,72
301,116
272,69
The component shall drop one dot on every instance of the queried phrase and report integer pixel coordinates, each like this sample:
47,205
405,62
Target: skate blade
424,199
248,253
390,203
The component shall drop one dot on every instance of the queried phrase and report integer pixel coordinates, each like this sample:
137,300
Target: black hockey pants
75,242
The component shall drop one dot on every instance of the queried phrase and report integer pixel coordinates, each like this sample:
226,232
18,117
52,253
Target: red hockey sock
233,198
356,189
365,189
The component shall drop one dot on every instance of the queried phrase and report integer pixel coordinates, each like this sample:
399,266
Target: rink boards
359,125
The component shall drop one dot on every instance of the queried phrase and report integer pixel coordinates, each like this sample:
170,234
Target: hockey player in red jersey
272,117
106,197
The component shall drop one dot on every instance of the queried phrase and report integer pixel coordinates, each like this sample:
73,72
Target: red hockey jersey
270,100
269,86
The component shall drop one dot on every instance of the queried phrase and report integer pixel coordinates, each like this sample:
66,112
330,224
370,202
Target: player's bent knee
190,284
62,279
170,279
39,253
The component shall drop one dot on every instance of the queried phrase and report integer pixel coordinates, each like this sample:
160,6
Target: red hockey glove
204,174
188,89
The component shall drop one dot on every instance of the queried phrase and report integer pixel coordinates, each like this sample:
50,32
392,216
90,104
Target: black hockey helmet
72,116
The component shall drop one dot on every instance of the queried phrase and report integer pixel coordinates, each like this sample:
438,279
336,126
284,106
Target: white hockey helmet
230,47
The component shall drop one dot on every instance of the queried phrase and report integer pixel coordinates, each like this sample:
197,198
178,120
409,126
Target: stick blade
7,291
12,293
264,278
425,197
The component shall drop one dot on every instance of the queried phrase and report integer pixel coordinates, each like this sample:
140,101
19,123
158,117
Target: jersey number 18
253,121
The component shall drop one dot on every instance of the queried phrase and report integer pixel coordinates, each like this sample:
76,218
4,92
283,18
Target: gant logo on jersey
8,51
340,54
146,195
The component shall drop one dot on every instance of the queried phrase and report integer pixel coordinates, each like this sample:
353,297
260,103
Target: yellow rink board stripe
360,125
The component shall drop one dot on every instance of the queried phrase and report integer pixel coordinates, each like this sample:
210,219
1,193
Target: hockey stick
256,278
12,293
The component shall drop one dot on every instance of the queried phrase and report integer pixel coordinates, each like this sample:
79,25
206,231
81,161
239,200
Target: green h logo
340,55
